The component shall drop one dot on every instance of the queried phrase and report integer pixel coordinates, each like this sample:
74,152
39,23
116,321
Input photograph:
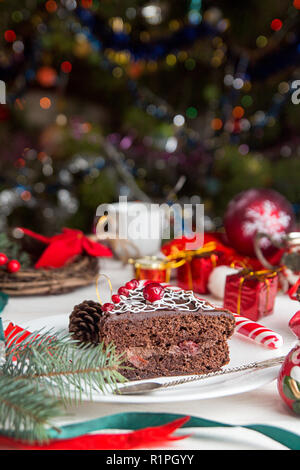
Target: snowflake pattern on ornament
268,219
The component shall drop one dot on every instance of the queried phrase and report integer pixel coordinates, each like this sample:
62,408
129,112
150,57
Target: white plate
242,351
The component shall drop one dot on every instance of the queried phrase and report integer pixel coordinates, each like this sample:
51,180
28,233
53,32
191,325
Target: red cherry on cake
116,299
108,307
153,292
123,291
3,259
13,266
133,284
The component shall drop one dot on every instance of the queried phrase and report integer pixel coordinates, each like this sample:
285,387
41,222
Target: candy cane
258,333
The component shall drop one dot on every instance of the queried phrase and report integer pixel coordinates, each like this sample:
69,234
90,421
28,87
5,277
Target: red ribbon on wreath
65,246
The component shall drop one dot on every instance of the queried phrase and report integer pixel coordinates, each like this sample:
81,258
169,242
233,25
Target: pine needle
25,410
47,370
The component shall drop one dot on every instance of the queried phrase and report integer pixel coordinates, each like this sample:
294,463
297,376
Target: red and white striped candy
258,333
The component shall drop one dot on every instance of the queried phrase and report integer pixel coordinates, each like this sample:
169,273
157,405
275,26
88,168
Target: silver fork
148,387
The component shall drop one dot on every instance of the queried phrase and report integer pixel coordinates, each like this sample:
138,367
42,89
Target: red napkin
147,437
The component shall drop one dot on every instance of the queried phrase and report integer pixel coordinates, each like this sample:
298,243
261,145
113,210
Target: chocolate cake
164,331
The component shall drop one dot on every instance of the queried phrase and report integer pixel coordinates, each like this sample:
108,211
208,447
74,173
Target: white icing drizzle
172,299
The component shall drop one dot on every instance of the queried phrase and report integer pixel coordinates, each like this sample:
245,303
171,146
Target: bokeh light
45,102
10,35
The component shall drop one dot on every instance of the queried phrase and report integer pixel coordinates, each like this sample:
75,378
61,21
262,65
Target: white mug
138,226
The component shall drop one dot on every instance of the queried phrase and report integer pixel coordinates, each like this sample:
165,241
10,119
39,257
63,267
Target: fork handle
254,365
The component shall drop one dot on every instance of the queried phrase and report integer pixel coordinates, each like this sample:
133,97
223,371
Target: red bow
65,246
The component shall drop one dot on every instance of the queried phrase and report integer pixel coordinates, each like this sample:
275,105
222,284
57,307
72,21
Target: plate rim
266,376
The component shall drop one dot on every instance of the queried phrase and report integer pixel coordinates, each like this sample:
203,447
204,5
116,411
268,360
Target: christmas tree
106,98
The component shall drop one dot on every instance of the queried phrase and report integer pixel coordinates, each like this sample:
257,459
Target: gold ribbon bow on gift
264,275
186,256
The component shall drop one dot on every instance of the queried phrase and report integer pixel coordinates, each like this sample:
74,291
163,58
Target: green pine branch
13,250
26,411
51,370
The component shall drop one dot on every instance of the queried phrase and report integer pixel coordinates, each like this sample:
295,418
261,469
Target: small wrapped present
195,266
194,274
154,268
251,293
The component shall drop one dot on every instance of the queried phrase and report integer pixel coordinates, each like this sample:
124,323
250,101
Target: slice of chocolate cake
164,331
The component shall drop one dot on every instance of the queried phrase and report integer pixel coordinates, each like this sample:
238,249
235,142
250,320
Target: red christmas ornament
3,259
257,210
153,292
108,307
288,381
13,266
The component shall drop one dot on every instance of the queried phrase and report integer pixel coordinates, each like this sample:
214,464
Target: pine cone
84,321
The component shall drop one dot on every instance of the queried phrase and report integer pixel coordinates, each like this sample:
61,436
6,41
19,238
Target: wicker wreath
79,273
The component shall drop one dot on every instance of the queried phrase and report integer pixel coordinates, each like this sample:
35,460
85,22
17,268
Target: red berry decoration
257,210
153,292
123,291
133,284
3,259
13,266
108,307
116,299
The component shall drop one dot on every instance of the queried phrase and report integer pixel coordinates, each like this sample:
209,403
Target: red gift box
194,274
251,293
195,266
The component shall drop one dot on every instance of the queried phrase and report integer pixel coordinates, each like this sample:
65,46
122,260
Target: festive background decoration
257,211
288,381
91,114
27,401
251,293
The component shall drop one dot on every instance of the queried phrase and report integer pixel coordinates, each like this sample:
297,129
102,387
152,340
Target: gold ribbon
186,256
241,264
263,275
97,289
189,254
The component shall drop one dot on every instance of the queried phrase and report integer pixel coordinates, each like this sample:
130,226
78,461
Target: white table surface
261,406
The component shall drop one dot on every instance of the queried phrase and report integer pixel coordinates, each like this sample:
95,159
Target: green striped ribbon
134,421
3,302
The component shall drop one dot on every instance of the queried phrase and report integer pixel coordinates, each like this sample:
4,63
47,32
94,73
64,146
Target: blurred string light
276,24
86,40
26,193
152,13
194,14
